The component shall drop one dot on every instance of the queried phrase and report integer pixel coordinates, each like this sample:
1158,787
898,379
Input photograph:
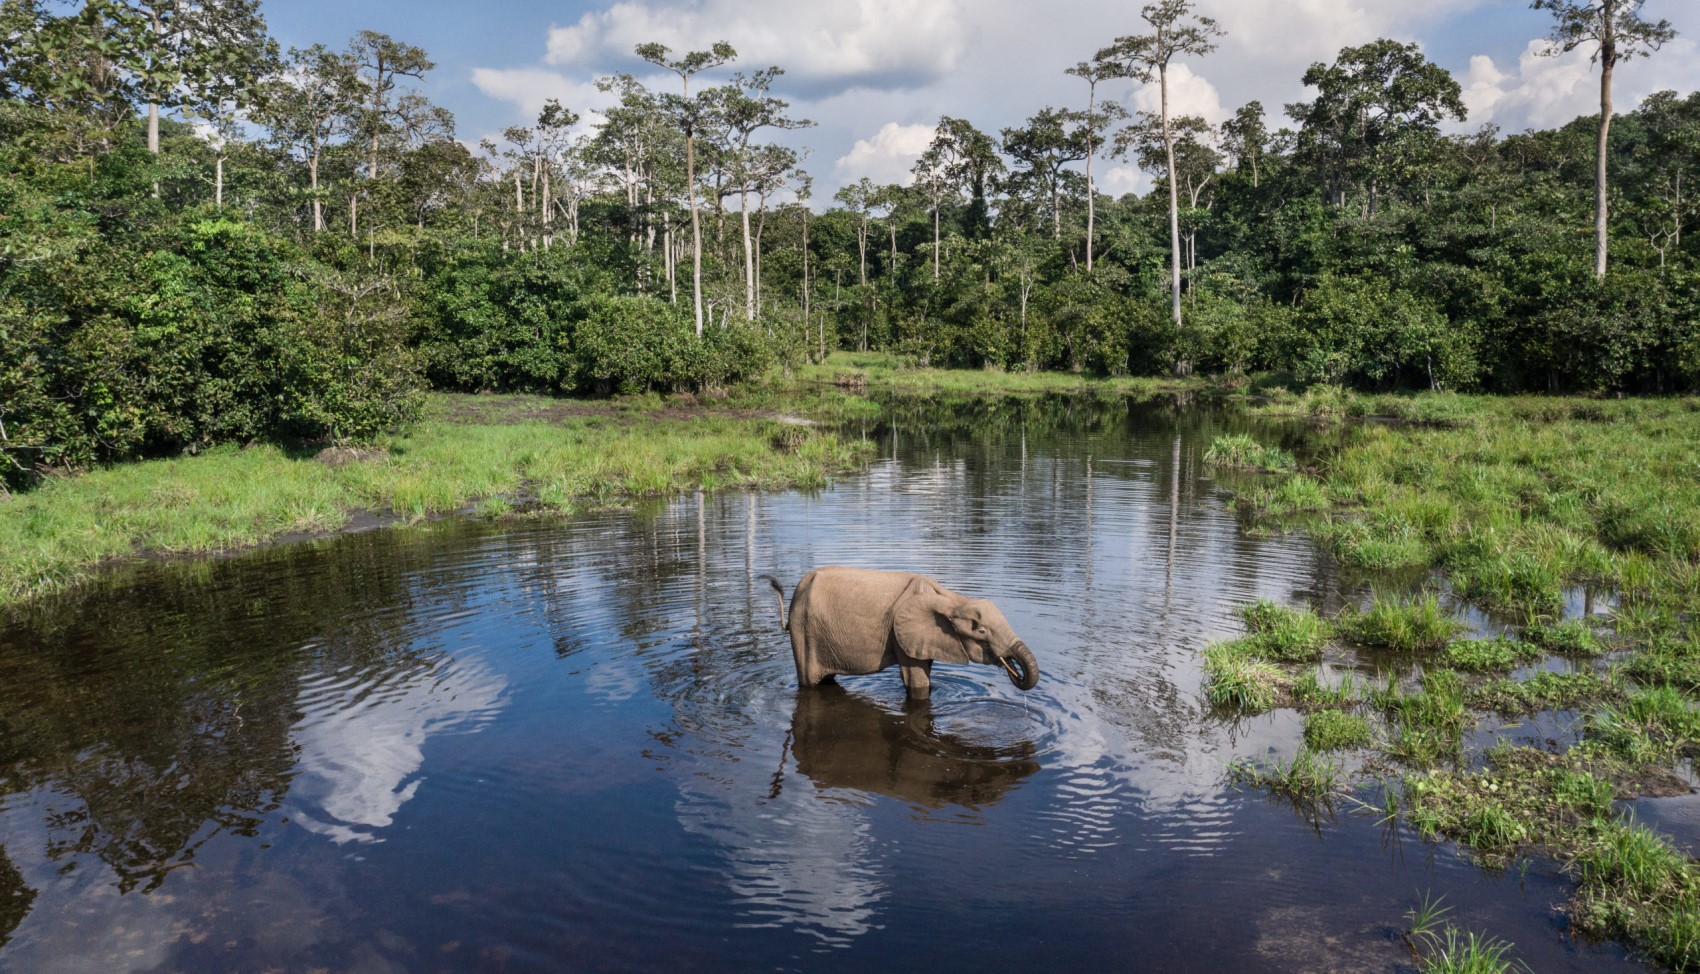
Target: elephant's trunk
1022,667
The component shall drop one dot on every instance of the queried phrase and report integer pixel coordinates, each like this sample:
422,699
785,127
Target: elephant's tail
779,594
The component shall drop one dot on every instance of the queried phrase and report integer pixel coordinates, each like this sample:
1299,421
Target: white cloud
1189,94
874,43
887,157
1120,180
529,88
1546,91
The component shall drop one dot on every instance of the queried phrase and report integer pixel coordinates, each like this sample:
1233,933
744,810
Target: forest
205,238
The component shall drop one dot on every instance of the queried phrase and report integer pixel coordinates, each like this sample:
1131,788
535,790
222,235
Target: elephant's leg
918,678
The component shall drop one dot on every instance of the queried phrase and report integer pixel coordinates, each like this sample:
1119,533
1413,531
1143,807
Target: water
577,744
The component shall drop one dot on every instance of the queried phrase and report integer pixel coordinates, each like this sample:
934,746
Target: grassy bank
1513,504
502,453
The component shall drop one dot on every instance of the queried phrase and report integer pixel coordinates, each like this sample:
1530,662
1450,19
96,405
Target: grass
1283,634
1236,678
1334,730
1309,779
1241,451
468,449
1519,503
1391,622
884,372
1489,654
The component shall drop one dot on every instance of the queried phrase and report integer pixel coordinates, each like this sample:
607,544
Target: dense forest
205,238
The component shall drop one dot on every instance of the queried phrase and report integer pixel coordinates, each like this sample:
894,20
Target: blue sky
876,74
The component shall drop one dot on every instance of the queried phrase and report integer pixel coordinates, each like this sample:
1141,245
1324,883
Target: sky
875,75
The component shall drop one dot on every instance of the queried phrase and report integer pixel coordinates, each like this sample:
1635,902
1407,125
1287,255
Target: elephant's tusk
1010,669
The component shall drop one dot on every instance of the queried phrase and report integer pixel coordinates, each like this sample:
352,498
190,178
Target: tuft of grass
1452,951
1404,624
1334,730
1296,494
1633,884
1236,678
1309,690
1652,726
1283,634
1308,779
1489,654
1240,451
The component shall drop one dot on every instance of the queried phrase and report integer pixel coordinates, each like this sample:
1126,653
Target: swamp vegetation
1577,523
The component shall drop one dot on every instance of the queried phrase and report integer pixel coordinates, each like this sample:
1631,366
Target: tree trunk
1608,54
936,246
696,227
218,182
1174,209
313,186
749,257
1091,146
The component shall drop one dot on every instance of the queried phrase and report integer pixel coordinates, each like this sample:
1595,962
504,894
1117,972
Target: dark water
577,745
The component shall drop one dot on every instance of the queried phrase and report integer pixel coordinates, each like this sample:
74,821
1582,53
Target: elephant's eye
981,630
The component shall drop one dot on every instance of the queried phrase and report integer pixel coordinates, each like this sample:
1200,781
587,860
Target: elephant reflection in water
841,740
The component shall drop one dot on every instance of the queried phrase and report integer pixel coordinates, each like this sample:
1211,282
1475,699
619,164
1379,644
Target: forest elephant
852,621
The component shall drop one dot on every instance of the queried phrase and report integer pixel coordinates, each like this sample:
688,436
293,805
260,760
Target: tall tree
1615,31
690,113
1097,119
960,158
1189,147
305,105
1146,57
190,52
380,62
859,198
1045,146
1245,137
742,109
1376,116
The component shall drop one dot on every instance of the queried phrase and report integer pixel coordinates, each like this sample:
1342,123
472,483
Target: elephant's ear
921,622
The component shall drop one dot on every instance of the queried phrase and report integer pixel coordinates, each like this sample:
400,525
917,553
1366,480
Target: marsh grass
884,372
1308,779
1392,622
1652,726
1236,678
56,536
1544,691
1310,690
1572,637
1284,634
1241,451
1334,730
1489,654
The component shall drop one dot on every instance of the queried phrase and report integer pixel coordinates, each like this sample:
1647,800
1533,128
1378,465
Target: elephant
853,621
842,740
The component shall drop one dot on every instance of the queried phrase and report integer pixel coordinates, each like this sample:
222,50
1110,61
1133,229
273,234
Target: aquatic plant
1240,450
1334,730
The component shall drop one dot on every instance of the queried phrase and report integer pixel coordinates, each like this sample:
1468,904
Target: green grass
1392,622
1544,691
1309,779
1236,678
1334,730
1283,634
884,372
1489,654
468,449
1241,451
1573,637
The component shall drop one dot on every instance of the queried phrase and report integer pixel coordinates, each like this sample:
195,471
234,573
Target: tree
379,61
1097,119
859,198
689,114
960,157
1188,148
1245,137
305,105
1375,118
1617,33
1051,140
742,109
191,52
1146,57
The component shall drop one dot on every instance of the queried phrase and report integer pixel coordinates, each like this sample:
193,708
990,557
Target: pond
578,744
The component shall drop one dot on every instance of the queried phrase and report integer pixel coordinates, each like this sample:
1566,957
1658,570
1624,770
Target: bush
1360,330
